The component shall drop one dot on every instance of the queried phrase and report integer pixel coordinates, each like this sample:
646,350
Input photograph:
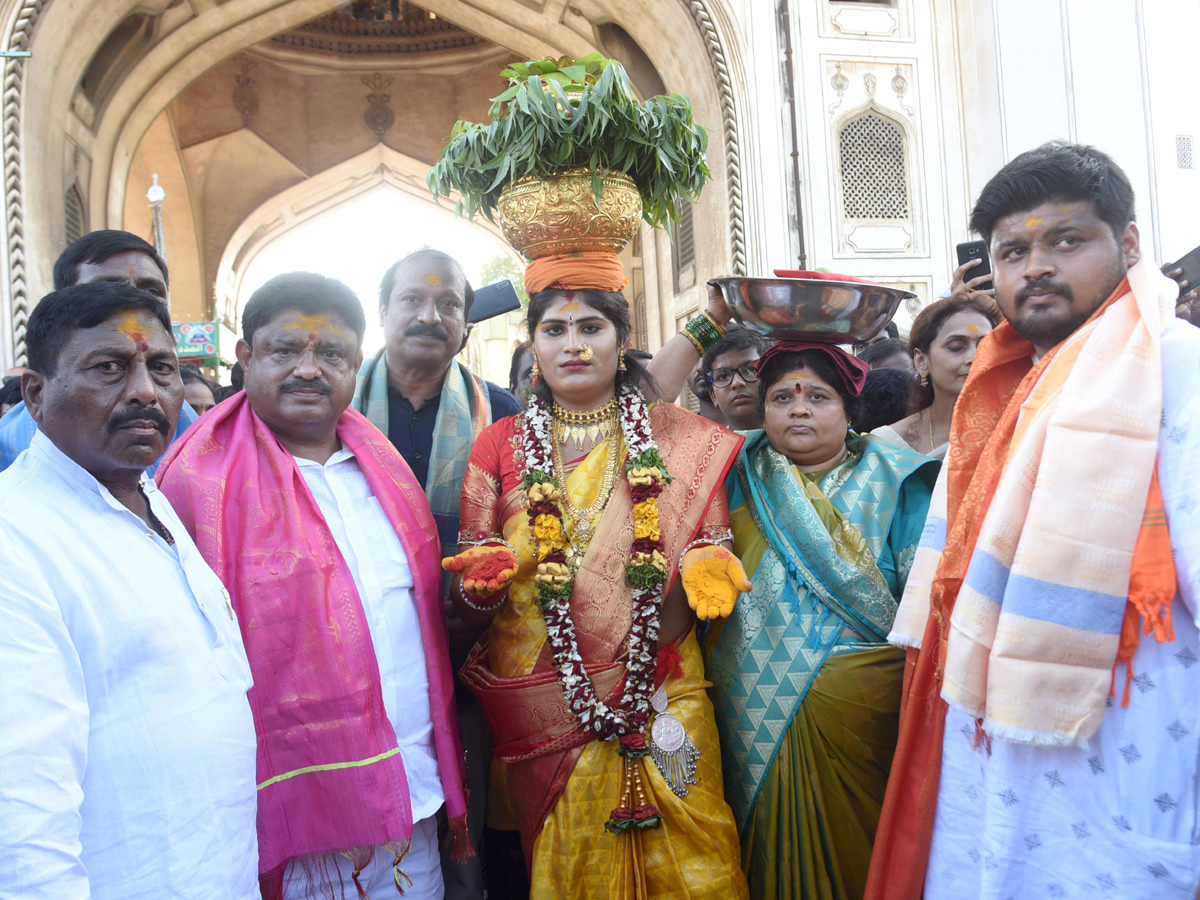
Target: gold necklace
596,424
583,521
931,447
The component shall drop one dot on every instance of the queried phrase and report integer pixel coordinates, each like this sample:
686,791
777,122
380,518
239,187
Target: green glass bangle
704,330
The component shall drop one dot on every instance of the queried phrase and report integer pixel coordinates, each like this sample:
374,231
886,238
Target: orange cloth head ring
591,269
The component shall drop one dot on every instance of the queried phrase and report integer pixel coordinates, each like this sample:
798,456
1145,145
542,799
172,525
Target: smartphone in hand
969,250
1190,264
494,300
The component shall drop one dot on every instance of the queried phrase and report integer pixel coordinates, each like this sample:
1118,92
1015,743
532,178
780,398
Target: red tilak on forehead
139,341
312,337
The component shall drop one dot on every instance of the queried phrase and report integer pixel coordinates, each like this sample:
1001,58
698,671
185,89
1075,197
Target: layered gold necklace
595,425
599,425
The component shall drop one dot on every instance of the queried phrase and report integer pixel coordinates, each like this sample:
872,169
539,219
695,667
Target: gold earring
621,363
535,374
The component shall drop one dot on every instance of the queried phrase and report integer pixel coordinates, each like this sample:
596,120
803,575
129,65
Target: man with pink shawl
327,545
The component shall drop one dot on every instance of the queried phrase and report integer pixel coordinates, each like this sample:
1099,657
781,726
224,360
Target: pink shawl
330,774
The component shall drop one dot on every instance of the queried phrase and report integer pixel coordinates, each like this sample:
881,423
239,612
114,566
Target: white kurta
127,747
382,575
1119,817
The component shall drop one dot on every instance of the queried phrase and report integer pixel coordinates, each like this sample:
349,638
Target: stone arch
43,117
379,166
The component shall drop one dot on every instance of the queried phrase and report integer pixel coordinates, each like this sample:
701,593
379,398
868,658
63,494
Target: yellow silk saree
561,782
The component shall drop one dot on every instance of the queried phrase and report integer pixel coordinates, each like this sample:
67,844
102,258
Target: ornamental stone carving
379,116
245,99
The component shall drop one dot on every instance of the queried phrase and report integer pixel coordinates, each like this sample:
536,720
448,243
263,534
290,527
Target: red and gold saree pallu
555,769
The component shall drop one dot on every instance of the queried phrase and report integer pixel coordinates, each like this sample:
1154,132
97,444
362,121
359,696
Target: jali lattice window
874,173
1185,154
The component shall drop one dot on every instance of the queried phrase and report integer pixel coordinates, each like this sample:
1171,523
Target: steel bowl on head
812,309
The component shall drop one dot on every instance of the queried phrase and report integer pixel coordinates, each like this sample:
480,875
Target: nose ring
587,353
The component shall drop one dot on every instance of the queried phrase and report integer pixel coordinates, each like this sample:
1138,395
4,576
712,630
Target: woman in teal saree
805,685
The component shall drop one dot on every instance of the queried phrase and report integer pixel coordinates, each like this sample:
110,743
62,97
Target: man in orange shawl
326,543
1049,736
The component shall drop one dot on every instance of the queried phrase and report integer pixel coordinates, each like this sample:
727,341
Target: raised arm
43,742
673,364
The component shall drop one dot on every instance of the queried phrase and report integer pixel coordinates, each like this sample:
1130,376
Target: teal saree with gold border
805,686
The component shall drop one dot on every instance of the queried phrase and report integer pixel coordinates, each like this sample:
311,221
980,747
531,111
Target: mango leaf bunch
566,113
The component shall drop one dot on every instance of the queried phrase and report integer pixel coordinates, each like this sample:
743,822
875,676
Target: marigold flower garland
645,571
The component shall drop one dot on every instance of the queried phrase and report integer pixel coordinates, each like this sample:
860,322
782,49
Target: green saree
806,688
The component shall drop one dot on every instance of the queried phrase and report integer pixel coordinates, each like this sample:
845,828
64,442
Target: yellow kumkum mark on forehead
973,329
312,324
799,375
433,280
1034,221
570,306
131,323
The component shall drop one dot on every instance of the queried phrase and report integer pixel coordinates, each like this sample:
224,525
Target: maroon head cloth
852,370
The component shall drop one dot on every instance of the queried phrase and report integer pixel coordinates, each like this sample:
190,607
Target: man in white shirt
126,741
328,546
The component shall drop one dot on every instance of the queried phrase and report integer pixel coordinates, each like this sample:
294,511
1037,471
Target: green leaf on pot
564,113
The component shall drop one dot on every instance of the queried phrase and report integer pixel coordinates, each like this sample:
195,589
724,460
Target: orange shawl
986,418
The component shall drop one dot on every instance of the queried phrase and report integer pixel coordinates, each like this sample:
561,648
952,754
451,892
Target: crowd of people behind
916,618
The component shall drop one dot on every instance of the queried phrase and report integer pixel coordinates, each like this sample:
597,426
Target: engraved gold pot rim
555,215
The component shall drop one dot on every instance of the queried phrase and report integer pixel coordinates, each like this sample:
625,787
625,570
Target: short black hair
10,392
306,292
98,246
735,339
191,373
1056,171
389,277
816,361
61,313
884,400
881,350
517,365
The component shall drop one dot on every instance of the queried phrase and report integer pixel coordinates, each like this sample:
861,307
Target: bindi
972,329
433,280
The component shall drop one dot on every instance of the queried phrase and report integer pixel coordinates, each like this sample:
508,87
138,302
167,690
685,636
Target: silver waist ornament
670,747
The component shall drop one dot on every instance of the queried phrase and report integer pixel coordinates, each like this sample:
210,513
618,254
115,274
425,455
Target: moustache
1046,284
299,384
134,414
429,331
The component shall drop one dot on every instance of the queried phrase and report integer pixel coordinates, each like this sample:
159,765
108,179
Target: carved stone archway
379,167
56,139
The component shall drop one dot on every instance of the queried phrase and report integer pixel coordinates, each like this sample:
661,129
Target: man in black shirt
432,408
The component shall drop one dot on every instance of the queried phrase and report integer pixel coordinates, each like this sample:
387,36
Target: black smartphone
1190,263
494,299
970,250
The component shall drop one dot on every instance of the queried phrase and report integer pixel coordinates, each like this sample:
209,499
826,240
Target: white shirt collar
75,475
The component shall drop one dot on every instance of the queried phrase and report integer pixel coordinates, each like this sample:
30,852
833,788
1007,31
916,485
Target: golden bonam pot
557,215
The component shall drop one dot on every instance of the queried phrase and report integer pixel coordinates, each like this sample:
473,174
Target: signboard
196,340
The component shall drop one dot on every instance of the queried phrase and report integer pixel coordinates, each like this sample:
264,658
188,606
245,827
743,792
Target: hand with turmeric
486,570
712,578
